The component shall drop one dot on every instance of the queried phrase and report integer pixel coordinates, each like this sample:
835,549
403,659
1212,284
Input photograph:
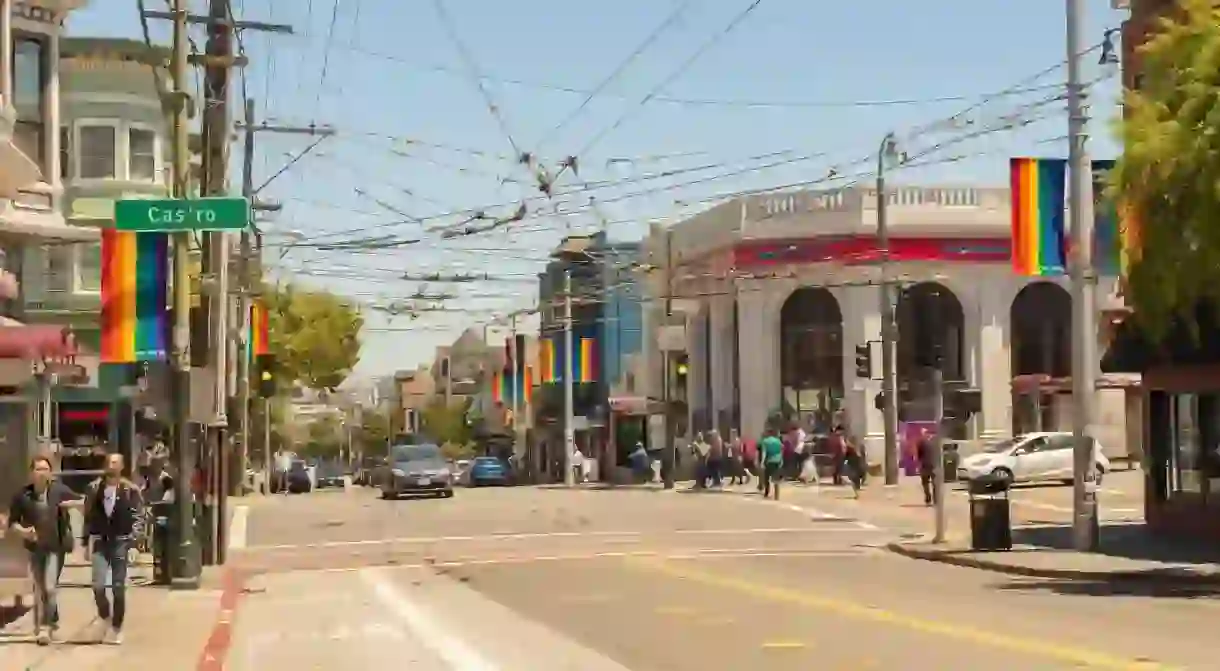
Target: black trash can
163,541
990,517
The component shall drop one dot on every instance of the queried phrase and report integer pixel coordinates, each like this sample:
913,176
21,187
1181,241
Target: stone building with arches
774,292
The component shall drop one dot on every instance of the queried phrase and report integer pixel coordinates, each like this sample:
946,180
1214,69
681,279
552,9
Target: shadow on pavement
1153,583
1126,541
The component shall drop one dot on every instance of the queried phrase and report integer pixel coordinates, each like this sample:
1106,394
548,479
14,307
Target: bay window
97,156
141,154
29,87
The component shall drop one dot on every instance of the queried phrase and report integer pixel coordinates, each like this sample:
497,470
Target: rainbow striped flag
260,338
547,361
1038,186
588,360
497,388
134,293
527,386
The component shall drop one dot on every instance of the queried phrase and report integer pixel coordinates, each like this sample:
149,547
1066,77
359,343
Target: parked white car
1033,457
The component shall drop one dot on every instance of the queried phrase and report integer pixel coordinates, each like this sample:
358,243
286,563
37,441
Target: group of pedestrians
776,456
39,515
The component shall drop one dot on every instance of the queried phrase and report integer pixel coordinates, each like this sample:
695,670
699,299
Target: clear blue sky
417,139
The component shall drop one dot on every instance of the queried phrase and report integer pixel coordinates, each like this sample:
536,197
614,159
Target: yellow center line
1063,653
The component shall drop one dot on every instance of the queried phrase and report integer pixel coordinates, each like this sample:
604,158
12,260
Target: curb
1168,576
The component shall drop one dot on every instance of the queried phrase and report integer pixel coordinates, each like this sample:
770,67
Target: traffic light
864,361
266,376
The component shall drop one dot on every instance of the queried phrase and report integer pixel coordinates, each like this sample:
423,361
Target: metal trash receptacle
990,516
163,541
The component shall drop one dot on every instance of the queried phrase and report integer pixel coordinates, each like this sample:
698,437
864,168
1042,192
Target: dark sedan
298,478
416,470
329,476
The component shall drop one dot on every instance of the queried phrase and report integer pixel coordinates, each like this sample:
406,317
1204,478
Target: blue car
489,471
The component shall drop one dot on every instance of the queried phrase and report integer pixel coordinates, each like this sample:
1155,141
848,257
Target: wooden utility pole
250,281
218,60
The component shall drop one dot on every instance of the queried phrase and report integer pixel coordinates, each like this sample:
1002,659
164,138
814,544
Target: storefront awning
37,342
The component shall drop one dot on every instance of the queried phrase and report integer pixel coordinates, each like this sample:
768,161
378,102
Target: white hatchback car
1032,457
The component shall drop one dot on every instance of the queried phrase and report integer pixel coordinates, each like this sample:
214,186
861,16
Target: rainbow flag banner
587,372
527,384
497,388
259,342
1107,235
134,293
1038,186
546,360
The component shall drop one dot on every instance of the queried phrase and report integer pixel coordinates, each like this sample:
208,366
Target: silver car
416,470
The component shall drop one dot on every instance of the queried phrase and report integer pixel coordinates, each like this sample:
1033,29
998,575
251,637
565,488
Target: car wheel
387,495
448,494
1003,474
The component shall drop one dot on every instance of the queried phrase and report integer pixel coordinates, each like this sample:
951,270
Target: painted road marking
238,527
458,654
694,555
851,609
783,645
622,536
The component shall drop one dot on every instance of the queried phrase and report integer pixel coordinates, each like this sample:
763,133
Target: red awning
37,342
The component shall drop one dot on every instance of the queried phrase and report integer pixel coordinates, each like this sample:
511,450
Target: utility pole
938,446
214,330
889,330
517,378
670,462
1083,283
250,273
569,428
185,574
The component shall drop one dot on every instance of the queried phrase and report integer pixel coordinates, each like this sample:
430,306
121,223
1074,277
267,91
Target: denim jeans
46,567
110,570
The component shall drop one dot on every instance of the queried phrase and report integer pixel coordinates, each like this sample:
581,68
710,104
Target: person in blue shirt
771,452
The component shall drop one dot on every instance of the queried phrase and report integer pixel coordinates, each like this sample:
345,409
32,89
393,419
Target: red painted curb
216,651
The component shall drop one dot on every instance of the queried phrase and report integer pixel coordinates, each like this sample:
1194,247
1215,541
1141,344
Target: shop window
1185,455
57,268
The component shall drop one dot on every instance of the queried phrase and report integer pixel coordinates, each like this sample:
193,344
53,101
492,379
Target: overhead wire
670,20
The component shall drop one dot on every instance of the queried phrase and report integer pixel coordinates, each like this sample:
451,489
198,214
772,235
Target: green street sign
195,214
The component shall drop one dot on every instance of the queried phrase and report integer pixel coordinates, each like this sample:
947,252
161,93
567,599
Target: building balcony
56,6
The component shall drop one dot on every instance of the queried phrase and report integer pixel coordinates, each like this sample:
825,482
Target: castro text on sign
195,214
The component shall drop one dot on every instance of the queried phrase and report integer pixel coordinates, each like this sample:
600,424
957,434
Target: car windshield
410,453
1003,445
330,470
487,461
298,466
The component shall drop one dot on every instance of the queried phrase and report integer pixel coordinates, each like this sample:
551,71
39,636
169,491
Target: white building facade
776,292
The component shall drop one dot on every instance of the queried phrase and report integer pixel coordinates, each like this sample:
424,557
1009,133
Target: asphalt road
531,579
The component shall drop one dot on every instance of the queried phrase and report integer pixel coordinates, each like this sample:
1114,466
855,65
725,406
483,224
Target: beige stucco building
773,294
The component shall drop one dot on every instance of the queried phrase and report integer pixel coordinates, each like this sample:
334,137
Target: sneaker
43,637
115,637
101,629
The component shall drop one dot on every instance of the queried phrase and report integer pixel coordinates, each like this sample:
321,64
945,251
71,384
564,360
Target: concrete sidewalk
1126,553
164,630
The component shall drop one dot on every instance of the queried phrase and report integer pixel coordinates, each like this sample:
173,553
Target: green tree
1168,175
373,432
446,423
314,335
325,438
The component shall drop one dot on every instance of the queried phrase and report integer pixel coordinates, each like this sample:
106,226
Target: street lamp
887,154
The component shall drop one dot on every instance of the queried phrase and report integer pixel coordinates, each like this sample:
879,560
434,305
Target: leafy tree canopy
1168,177
325,438
314,335
374,431
446,423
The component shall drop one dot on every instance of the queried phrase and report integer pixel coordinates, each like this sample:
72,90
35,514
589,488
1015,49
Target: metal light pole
1083,282
518,370
569,430
889,374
